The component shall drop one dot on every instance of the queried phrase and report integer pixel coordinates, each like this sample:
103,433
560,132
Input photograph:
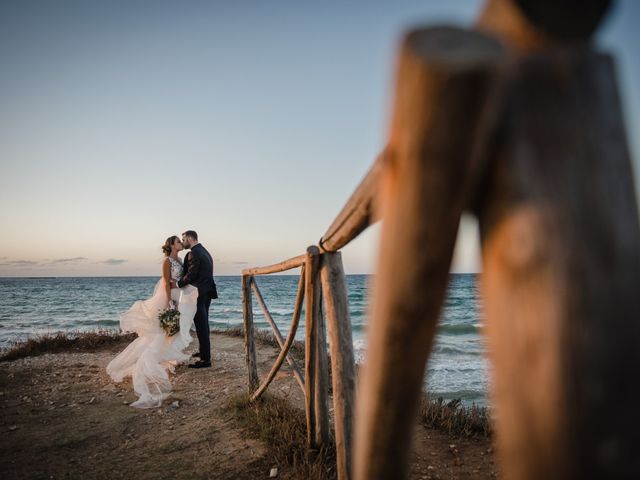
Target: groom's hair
192,234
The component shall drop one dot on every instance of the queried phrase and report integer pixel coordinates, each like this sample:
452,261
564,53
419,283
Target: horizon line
35,277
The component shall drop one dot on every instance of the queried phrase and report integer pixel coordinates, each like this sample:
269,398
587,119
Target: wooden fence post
561,269
322,374
313,400
342,361
444,78
310,286
249,342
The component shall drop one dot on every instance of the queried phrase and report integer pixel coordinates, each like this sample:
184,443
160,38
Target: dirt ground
62,417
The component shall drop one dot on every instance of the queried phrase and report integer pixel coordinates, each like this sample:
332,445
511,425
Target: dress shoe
200,364
196,355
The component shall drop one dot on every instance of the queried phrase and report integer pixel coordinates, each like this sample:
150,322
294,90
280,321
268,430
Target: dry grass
454,418
283,429
64,342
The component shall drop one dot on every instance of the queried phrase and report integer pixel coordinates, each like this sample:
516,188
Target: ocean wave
232,310
449,350
458,328
359,344
474,396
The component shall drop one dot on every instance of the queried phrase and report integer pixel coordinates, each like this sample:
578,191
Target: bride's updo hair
166,248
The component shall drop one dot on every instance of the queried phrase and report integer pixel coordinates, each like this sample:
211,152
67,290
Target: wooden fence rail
284,352
276,332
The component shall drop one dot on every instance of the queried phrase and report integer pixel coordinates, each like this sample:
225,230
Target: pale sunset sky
124,122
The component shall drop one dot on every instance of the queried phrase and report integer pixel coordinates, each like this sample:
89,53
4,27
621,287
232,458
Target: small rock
124,402
175,404
430,467
13,428
93,399
273,473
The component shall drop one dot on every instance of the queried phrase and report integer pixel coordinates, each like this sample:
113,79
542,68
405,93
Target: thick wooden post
443,80
249,343
310,343
342,361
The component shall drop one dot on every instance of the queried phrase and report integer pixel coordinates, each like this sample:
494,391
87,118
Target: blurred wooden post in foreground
561,261
444,78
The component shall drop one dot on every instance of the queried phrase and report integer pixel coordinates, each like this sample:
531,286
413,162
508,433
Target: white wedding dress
150,357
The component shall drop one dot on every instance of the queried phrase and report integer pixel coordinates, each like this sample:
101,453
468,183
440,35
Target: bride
150,357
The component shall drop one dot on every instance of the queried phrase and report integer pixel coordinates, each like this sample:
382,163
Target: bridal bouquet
170,321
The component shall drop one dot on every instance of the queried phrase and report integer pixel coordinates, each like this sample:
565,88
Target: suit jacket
199,272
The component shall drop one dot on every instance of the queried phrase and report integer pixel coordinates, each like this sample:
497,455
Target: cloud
5,262
20,263
65,261
113,261
68,260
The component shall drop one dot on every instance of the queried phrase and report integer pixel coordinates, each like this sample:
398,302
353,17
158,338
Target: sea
457,367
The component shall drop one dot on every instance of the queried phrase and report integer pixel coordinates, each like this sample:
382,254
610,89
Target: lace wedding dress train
151,356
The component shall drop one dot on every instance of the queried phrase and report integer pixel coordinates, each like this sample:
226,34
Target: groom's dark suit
199,273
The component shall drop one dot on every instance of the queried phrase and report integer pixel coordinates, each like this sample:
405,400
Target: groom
198,268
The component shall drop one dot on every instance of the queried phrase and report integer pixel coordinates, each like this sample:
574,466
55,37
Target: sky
125,122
